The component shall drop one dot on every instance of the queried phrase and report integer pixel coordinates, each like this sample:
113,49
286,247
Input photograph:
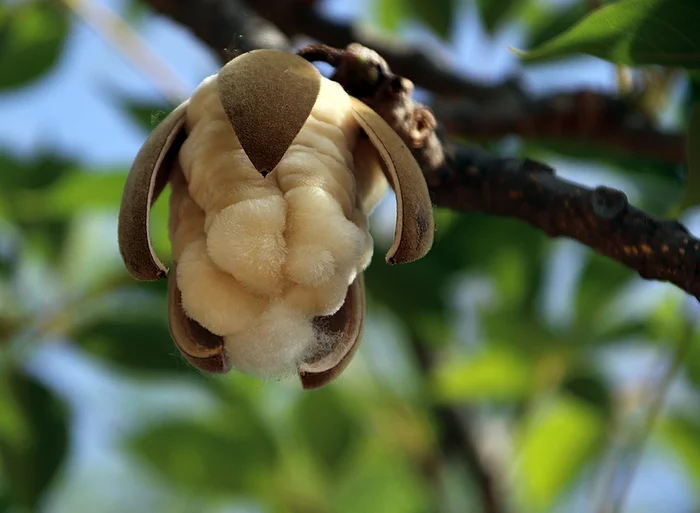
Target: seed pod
273,171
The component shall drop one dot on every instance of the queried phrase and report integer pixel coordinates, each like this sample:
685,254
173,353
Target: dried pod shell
268,96
203,349
413,236
147,178
348,320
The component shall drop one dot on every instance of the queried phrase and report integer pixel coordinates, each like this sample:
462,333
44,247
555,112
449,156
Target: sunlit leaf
682,434
33,438
496,374
554,447
381,481
85,190
327,427
390,13
32,38
632,32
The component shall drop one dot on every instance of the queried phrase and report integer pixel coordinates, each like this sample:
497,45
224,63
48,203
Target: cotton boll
316,226
186,219
362,222
212,297
247,241
306,167
340,144
321,300
322,143
275,346
205,103
333,107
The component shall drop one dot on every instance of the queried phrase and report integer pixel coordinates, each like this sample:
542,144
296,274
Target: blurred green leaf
82,190
632,32
547,23
327,427
146,115
437,15
33,437
590,387
222,460
390,14
380,482
599,282
135,337
496,374
691,197
555,445
682,434
32,38
40,171
495,12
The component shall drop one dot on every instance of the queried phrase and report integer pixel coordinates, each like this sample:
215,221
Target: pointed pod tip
267,96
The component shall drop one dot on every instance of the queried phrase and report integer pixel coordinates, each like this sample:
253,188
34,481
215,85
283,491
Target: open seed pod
263,102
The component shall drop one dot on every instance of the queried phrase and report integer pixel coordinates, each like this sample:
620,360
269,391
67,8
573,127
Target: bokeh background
505,372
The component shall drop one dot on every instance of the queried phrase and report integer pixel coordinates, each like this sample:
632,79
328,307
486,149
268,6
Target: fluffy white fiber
260,257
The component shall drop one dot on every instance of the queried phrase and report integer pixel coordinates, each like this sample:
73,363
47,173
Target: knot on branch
608,203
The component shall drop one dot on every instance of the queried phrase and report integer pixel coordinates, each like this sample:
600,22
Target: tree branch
456,437
490,111
228,27
469,179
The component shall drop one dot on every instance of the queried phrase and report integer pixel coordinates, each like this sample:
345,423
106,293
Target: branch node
608,203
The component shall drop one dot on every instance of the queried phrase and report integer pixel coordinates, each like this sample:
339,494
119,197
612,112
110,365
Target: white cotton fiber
264,256
247,241
212,297
275,346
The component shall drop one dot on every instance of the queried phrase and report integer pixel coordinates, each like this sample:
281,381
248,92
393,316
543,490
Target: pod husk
415,227
199,346
147,178
268,96
348,321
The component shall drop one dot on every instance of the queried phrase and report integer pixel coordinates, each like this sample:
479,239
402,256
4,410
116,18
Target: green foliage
368,442
33,438
632,32
32,37
564,423
692,186
137,338
231,454
437,15
328,429
497,374
495,12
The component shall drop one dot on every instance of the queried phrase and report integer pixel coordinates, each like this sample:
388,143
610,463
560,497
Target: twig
228,27
456,438
624,467
109,26
490,111
469,179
